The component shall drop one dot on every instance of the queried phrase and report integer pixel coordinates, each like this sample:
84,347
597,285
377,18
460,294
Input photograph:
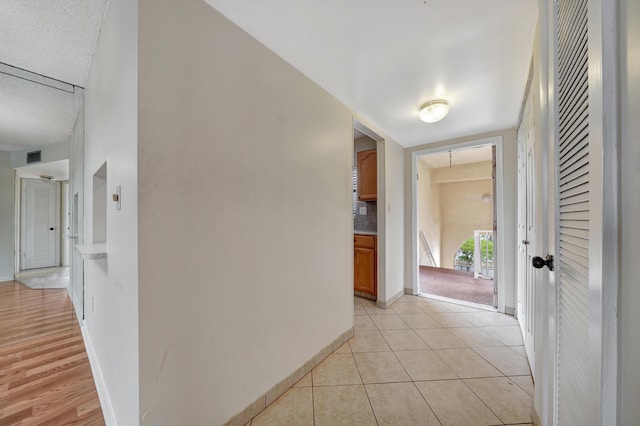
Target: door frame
381,293
528,184
22,223
500,212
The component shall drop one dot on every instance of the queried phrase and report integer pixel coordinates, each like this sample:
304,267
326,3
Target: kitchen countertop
356,232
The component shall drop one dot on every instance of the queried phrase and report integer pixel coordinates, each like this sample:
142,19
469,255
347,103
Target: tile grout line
413,382
472,326
467,386
406,372
360,375
492,364
509,377
479,327
482,400
427,402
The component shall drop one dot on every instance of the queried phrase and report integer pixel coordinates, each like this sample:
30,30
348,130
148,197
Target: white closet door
573,195
528,209
40,225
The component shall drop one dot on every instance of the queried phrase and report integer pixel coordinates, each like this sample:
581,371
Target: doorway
40,223
502,205
456,225
369,221
42,218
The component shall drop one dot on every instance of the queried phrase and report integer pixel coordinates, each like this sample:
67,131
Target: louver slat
573,201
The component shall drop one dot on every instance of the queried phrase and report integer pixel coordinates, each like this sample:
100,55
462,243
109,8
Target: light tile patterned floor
420,362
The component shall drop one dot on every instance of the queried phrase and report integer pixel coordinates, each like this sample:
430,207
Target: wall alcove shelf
92,251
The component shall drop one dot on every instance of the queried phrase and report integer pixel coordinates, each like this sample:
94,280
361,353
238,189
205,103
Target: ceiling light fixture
433,111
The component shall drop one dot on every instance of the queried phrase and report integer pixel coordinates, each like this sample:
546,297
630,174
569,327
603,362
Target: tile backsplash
368,222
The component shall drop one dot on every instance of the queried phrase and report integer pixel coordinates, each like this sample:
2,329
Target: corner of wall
263,401
7,231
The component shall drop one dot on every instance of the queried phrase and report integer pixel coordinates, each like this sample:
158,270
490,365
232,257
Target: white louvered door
573,200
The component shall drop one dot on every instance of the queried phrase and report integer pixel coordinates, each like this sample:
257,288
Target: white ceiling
54,39
385,58
33,114
459,157
381,58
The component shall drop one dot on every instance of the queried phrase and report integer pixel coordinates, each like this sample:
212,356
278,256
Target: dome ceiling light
433,111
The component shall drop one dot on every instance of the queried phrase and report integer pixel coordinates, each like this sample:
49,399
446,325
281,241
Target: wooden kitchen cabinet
364,264
367,166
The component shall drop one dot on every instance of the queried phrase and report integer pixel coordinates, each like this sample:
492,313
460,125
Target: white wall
629,291
245,231
463,212
76,186
394,219
7,235
65,224
111,285
510,202
49,153
506,301
429,220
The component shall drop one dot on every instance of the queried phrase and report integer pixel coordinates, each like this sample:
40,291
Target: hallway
44,278
45,377
420,362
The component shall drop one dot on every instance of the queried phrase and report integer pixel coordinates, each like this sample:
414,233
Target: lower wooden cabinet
364,264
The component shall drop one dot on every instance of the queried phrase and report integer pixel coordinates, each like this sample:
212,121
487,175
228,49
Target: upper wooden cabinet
367,163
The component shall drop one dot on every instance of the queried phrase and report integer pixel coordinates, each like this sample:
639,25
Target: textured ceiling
385,58
44,44
34,114
55,38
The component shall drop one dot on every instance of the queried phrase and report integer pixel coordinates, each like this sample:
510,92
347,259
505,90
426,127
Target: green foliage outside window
466,251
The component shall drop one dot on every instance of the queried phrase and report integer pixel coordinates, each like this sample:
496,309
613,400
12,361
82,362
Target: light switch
117,197
363,210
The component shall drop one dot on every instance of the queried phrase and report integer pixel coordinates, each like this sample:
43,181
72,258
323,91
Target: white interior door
65,230
40,207
575,157
527,211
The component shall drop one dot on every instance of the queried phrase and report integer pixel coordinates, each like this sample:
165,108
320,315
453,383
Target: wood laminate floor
45,377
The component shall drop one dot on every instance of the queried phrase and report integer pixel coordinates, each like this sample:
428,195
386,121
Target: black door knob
50,229
539,262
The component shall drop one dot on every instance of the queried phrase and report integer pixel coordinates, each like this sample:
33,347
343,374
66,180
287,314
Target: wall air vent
34,157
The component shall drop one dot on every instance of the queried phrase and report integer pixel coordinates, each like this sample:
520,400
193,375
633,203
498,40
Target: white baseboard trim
98,378
6,278
385,304
245,416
